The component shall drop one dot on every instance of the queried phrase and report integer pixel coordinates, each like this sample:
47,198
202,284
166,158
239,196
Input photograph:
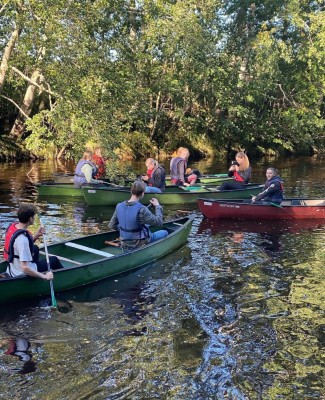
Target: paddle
189,188
270,203
109,184
54,303
275,204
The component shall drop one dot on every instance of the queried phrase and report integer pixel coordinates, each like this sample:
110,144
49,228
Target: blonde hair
182,150
245,163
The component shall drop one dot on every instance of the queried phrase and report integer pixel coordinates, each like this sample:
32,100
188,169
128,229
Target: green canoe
64,189
205,178
63,178
214,179
173,194
90,259
111,196
58,190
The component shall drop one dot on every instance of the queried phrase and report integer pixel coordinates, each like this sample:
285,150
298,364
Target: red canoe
289,209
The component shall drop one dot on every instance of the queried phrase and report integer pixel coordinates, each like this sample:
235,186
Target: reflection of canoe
289,209
172,195
213,226
89,259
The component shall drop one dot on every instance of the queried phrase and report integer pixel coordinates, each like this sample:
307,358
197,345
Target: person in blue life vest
85,171
132,219
178,169
19,248
273,189
241,172
155,177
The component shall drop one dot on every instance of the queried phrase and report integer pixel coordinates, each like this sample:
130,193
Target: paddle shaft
271,204
54,303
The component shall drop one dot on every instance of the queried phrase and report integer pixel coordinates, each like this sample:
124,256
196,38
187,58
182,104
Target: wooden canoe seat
89,249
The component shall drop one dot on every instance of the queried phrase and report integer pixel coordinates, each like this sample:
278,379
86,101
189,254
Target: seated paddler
20,251
132,219
273,189
155,177
86,171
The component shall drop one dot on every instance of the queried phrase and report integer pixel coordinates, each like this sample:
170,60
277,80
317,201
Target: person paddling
20,251
273,188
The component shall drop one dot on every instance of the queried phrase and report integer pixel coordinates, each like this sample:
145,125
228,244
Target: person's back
132,219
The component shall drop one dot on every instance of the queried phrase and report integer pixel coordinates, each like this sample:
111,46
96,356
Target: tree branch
33,82
3,7
21,111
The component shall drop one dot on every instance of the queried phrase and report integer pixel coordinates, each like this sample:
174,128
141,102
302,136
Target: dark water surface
238,313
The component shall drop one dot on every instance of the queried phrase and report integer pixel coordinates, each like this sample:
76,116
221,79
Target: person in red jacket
99,161
240,171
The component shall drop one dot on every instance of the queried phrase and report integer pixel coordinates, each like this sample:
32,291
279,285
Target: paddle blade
54,303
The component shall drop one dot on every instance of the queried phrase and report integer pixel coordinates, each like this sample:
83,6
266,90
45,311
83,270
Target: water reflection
20,347
236,314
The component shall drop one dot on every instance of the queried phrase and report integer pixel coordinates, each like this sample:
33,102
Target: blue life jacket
128,221
174,173
79,177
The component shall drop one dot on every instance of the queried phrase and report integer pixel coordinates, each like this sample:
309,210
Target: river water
237,313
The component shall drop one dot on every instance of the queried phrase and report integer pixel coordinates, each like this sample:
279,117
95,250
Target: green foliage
151,75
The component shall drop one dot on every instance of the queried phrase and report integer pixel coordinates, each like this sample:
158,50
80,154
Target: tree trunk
19,124
61,152
6,56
